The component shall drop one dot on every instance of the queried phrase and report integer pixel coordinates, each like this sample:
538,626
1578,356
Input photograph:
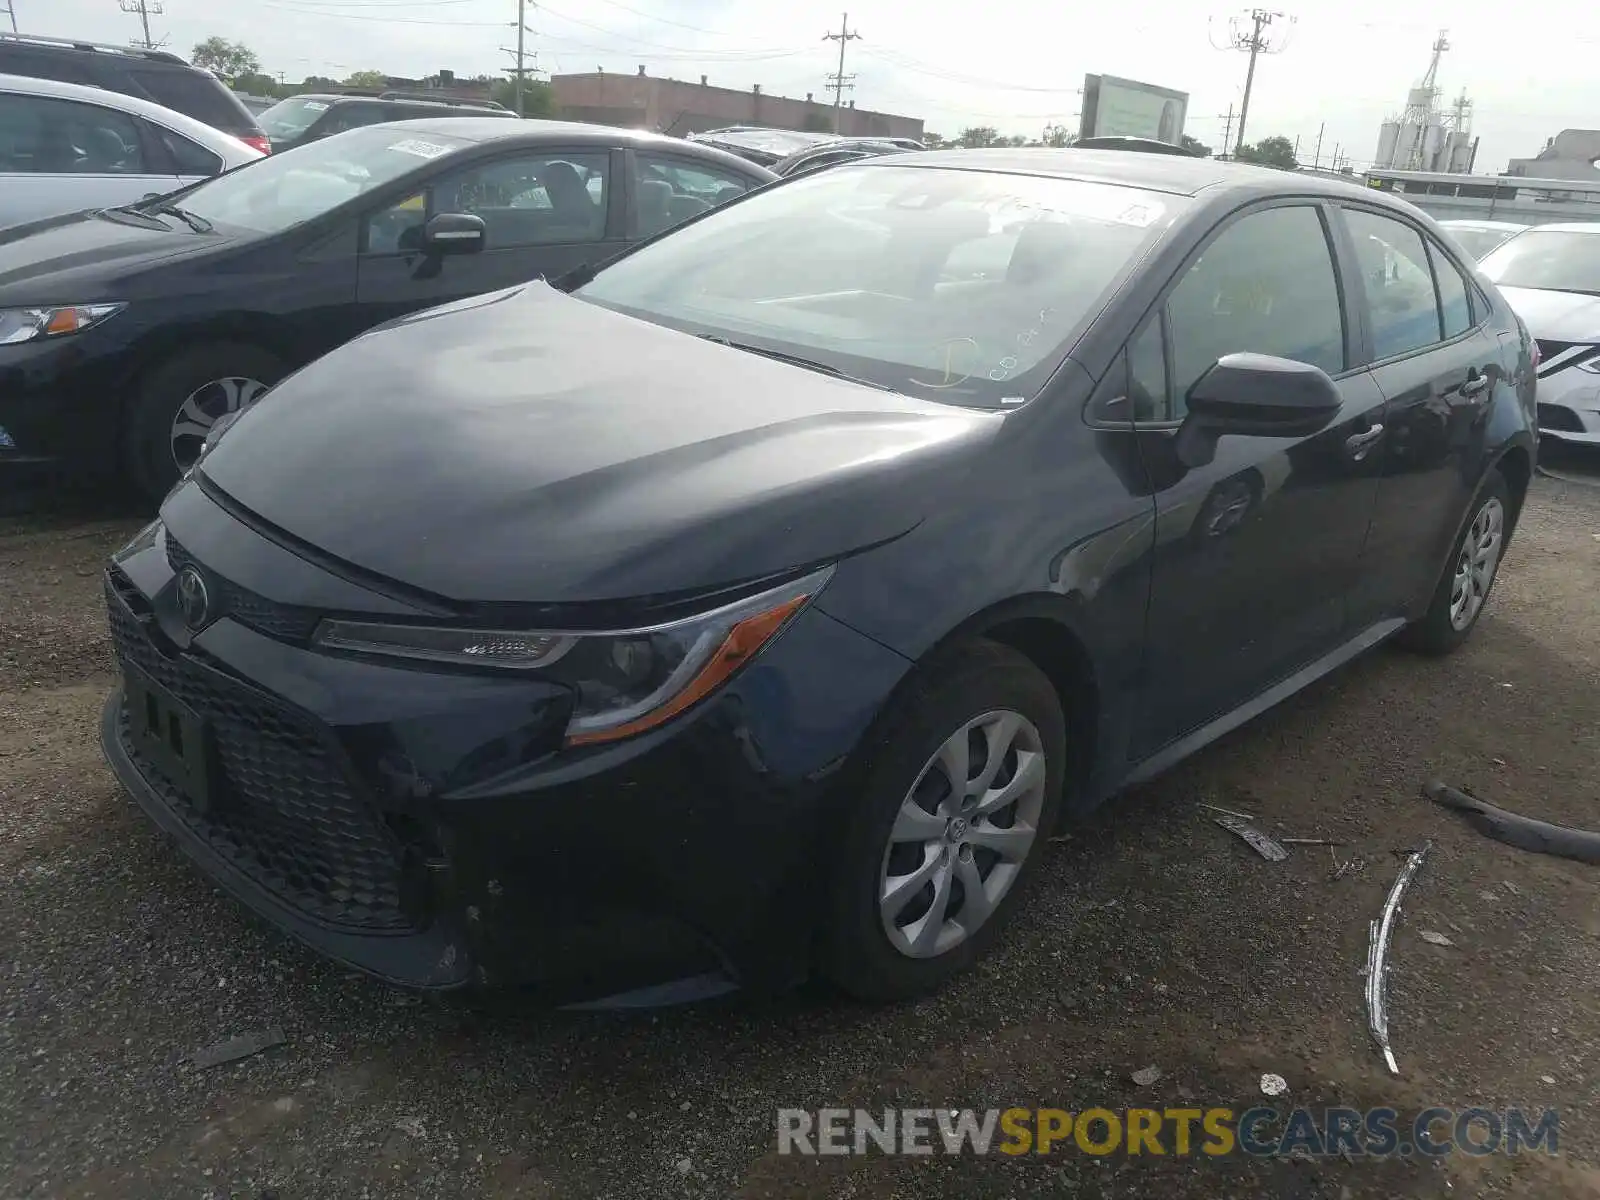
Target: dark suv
150,74
301,119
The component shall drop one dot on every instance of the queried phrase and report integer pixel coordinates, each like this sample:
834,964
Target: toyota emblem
194,601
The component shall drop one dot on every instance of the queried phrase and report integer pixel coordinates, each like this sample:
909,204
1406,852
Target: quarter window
1398,281
1147,376
187,157
672,190
1265,285
1454,307
44,136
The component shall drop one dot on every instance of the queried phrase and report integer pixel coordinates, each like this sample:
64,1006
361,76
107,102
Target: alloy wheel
203,408
1477,563
962,834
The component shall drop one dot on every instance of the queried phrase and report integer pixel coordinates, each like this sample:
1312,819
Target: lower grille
1558,419
283,811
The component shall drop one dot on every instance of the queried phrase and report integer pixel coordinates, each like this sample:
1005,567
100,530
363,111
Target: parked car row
754,599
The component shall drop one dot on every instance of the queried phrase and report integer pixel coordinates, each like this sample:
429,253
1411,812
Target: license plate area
170,736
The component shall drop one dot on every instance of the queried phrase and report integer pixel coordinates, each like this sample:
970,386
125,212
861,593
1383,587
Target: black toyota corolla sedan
126,332
760,603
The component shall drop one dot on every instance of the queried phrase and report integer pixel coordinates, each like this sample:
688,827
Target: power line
1255,43
838,81
690,50
905,62
343,16
146,9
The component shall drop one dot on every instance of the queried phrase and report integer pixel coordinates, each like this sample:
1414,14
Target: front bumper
427,828
1569,407
60,406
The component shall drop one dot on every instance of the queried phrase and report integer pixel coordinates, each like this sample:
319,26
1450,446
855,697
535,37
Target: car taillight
257,141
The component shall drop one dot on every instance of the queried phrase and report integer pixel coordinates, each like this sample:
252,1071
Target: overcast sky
1013,64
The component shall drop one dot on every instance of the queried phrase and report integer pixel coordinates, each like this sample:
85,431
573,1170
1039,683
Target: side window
398,228
672,190
42,135
1399,283
1147,375
1267,285
1454,307
188,157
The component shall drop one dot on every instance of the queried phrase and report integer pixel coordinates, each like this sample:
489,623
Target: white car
1550,275
65,147
1477,238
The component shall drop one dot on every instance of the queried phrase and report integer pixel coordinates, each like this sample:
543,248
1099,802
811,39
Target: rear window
195,95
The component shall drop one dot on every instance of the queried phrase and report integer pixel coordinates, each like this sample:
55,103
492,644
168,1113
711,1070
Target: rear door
1257,549
1436,360
546,210
61,156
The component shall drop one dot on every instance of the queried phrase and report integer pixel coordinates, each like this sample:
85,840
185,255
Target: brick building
675,106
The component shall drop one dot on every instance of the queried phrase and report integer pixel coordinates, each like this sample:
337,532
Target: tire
217,377
990,688
1445,626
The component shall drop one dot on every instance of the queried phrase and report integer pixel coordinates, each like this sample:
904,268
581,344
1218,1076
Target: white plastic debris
412,1127
1147,1076
1274,1085
1435,939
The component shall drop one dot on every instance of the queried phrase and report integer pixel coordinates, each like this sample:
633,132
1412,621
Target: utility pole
144,8
1227,129
9,7
522,13
1317,158
1255,43
838,82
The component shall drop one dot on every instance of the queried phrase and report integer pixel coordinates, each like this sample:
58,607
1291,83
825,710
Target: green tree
225,58
1195,146
537,98
1057,136
934,141
1269,152
979,135
257,84
366,79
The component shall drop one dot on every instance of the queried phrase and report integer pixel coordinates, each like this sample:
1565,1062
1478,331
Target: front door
545,212
1437,362
1257,549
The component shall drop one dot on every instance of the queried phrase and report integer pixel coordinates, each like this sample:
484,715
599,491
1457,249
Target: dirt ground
1154,938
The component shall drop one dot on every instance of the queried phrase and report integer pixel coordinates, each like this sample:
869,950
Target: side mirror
454,233
1255,395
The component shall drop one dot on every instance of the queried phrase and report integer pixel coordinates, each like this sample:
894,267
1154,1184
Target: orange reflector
741,644
63,320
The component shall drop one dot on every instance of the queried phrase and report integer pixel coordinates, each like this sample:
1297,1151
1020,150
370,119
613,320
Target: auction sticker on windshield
316,106
420,148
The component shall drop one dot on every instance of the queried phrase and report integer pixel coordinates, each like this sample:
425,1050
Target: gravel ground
1154,938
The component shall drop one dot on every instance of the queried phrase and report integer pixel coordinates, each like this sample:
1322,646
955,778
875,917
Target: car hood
1556,316
529,447
54,260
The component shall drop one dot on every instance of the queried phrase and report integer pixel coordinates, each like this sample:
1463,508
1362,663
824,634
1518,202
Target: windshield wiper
795,360
193,220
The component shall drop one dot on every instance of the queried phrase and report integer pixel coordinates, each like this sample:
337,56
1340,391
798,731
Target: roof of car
1173,173
442,103
491,129
1470,223
1567,227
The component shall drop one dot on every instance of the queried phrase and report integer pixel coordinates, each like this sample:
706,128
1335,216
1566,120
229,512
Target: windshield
1554,260
274,193
1478,242
954,285
290,118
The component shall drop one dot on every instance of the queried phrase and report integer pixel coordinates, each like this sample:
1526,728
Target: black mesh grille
1558,419
283,811
287,622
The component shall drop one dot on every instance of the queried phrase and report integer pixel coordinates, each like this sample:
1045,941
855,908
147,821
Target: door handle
1474,385
1359,443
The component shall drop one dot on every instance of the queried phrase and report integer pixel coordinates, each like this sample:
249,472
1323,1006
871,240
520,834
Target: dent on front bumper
427,829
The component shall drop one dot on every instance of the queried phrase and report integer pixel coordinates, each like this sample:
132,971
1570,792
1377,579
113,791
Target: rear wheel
1463,590
179,401
964,785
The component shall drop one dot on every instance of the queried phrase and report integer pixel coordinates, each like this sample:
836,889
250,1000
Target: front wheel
964,785
179,401
1463,590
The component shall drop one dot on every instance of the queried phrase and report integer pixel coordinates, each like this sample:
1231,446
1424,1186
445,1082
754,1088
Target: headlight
18,325
1590,364
627,681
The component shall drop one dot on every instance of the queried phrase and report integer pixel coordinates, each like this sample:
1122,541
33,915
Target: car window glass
42,135
398,228
1147,376
41,64
1399,283
672,190
532,199
1454,306
1266,285
188,157
194,94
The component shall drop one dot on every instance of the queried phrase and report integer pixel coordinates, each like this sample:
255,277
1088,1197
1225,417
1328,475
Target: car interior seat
655,206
